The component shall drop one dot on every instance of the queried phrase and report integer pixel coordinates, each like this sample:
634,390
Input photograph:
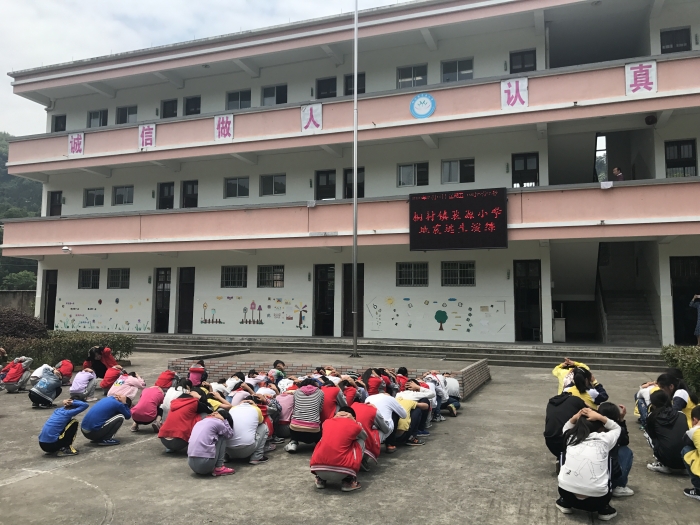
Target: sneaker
692,493
67,451
156,426
90,399
270,447
52,405
263,459
657,466
365,464
222,471
277,440
415,442
349,486
441,418
563,506
422,433
291,447
622,492
453,410
607,513
134,428
108,442
320,483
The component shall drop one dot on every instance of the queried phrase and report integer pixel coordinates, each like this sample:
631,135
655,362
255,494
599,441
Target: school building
206,187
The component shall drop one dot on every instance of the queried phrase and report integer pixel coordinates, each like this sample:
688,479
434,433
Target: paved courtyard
489,466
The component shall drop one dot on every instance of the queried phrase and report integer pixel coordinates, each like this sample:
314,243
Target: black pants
391,439
66,438
588,504
39,400
416,415
424,414
159,414
107,430
305,437
174,444
555,445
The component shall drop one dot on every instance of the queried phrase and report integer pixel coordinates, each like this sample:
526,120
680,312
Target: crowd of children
588,435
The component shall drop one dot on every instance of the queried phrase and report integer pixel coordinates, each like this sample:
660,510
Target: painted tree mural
441,317
302,310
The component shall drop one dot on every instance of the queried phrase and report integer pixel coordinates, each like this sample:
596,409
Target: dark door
347,299
324,299
185,301
325,185
190,193
162,302
526,170
55,202
528,300
50,285
685,283
166,196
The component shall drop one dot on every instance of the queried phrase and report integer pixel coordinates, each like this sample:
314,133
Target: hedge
687,358
14,323
67,345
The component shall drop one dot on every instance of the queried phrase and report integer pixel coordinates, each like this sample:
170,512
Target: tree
441,317
23,280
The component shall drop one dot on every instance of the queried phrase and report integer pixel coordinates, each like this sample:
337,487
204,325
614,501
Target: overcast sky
43,32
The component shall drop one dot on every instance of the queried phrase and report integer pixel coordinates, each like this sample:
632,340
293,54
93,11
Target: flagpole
355,353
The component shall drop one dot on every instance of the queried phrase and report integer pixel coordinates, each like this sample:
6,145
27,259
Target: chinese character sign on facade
76,144
514,94
458,220
147,136
640,78
311,118
223,128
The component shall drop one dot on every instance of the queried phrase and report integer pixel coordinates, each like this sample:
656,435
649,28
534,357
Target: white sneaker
291,447
657,466
621,492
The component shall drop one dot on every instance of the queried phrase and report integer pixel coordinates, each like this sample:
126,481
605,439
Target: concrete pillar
39,302
546,279
172,321
667,331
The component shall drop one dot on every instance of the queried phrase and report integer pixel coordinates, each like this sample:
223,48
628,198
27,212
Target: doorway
325,185
55,203
166,196
185,301
50,286
347,299
685,283
324,299
161,324
528,300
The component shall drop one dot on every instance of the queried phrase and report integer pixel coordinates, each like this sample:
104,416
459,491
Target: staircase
629,320
499,354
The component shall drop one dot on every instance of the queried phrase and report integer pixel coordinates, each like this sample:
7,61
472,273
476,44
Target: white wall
675,14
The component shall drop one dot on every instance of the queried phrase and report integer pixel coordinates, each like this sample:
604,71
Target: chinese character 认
641,78
514,97
417,217
497,211
436,229
476,227
455,215
489,227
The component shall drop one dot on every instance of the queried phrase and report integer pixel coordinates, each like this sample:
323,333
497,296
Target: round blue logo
422,105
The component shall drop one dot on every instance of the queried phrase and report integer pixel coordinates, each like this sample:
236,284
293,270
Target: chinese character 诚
489,227
76,144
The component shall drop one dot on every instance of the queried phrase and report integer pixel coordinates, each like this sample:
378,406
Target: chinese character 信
147,136
476,227
497,211
449,228
468,214
641,78
513,98
223,127
482,214
442,215
436,229
417,217
424,229
76,144
455,215
489,227
430,216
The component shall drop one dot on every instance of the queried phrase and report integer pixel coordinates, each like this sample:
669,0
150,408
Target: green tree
441,317
23,280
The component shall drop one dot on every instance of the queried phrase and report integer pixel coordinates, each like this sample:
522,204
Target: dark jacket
560,409
667,427
622,441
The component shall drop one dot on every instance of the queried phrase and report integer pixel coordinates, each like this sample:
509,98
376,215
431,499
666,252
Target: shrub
14,323
687,358
67,345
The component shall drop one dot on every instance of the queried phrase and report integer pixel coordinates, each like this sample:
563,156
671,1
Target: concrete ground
487,466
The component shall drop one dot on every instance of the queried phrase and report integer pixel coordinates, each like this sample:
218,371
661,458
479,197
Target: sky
43,32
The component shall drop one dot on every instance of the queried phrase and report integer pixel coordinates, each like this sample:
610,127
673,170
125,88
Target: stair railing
600,303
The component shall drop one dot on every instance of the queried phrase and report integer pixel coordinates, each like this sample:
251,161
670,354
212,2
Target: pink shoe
222,471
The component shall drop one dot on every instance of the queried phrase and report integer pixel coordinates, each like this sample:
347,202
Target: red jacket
14,372
365,415
330,402
267,420
373,384
181,419
349,394
338,450
401,380
66,368
165,379
107,359
111,375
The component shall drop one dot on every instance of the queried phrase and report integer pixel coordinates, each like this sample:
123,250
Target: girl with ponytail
683,398
587,388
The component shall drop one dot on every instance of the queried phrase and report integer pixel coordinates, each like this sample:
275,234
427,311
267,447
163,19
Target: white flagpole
354,193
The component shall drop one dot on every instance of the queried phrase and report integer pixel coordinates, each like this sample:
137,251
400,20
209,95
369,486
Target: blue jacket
48,385
106,408
53,428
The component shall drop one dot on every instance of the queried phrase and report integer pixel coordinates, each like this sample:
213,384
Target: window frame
318,91
114,195
159,197
93,205
243,278
522,52
347,183
317,175
459,170
413,75
94,275
185,100
122,280
347,89
457,61
414,267
126,108
415,174
675,31
275,86
238,92
274,270
184,196
525,155
53,123
680,161
237,196
273,175
162,107
459,271
103,116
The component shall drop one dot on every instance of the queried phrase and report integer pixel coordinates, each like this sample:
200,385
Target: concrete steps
629,320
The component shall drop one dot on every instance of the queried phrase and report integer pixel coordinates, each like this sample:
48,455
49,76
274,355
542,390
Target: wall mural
269,313
103,315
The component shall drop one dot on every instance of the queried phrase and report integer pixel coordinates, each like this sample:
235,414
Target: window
526,172
522,61
238,99
94,197
360,84
273,185
461,170
413,174
270,276
234,276
360,182
122,195
459,273
58,123
89,279
193,105
97,119
455,70
675,40
237,187
118,278
168,108
273,95
601,158
326,88
411,274
681,159
411,76
126,115
325,185
190,191
166,196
